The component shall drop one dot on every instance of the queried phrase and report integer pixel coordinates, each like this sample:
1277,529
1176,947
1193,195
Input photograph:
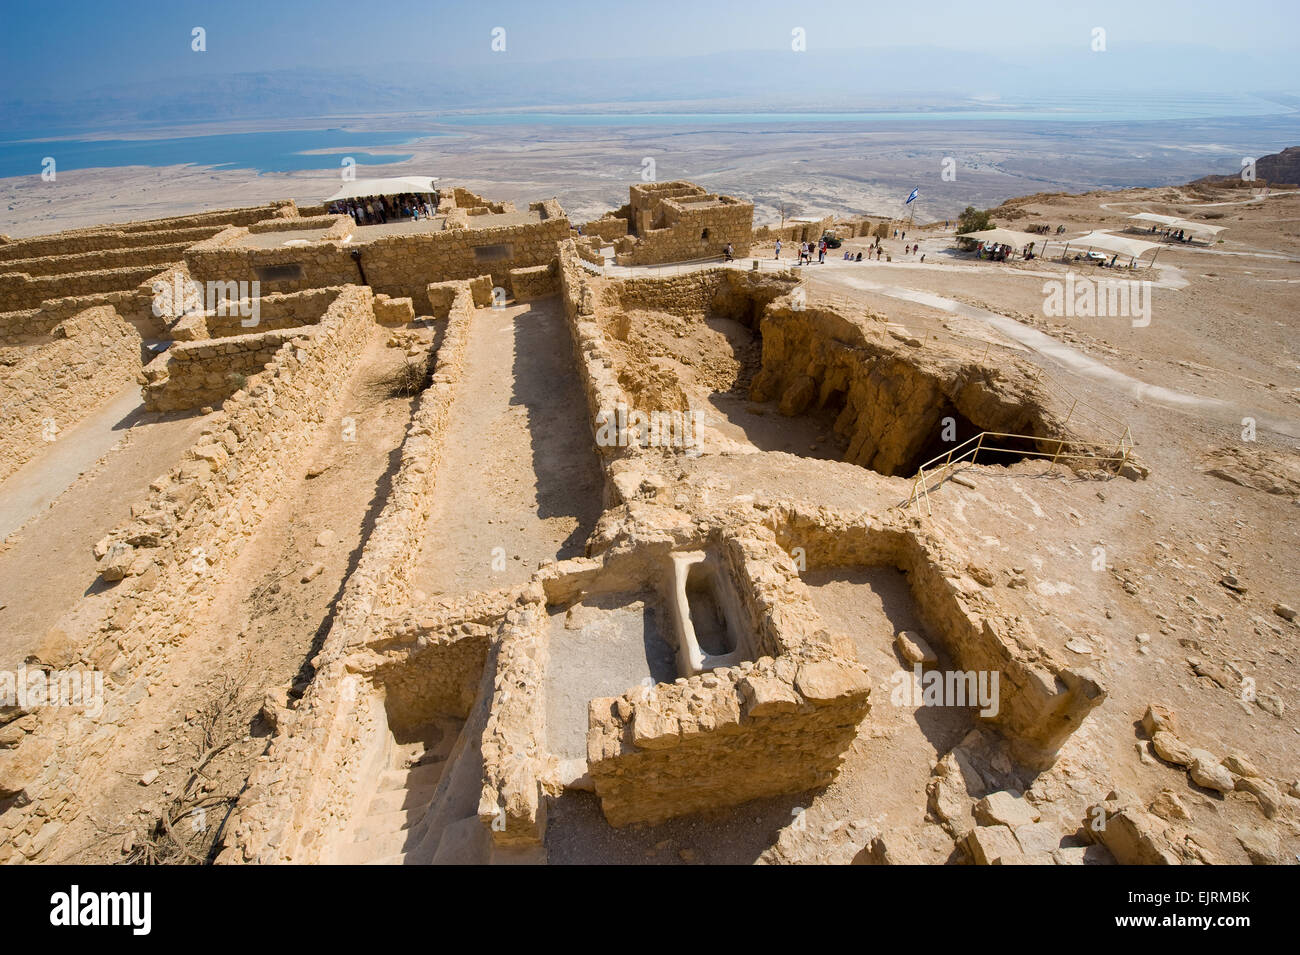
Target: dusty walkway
64,500
267,619
519,481
37,483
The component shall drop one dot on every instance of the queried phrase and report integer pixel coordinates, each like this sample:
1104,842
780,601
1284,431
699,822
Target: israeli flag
911,197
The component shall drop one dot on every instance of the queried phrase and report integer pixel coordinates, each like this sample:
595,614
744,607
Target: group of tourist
994,251
876,251
806,250
380,210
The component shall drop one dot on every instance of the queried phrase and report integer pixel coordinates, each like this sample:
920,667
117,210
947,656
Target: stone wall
607,228
297,224
777,724
796,232
214,498
206,372
678,221
275,311
536,282
156,255
179,548
443,297
322,745
29,325
400,266
175,229
18,290
1042,699
91,357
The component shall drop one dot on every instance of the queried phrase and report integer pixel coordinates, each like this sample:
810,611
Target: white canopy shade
360,188
1174,222
1134,248
1017,240
1155,217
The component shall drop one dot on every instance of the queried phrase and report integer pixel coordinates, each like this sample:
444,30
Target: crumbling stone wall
18,290
275,311
774,725
296,224
214,498
206,372
1042,699
532,283
677,221
803,230
28,325
445,297
609,227
323,743
396,265
99,260
91,357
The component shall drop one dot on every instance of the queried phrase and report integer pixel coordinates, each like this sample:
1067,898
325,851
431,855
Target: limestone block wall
28,325
283,224
400,266
589,250
794,231
175,229
184,539
91,357
445,297
275,311
607,228
393,311
206,372
646,201
595,361
1042,698
736,734
322,745
158,255
773,725
535,282
515,760
695,231
18,290
215,497
677,221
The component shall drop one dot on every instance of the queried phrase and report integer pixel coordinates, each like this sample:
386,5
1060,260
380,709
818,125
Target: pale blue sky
53,46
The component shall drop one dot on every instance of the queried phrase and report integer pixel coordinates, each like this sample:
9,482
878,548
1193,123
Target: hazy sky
58,46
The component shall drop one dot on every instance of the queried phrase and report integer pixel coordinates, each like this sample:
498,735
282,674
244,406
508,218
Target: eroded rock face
889,395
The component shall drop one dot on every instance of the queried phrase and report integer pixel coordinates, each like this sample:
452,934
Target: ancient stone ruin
598,562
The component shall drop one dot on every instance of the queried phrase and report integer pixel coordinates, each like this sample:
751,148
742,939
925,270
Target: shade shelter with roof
1175,223
1008,237
1117,244
392,186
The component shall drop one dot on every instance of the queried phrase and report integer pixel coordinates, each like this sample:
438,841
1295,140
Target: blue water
295,150
277,151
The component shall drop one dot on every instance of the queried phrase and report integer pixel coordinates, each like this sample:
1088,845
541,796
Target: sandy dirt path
519,480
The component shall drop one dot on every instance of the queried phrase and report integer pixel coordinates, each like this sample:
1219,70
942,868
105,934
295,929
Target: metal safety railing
938,469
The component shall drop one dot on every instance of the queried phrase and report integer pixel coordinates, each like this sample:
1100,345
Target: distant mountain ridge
1279,169
898,77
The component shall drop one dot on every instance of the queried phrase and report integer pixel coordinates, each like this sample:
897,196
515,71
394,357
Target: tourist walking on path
778,248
